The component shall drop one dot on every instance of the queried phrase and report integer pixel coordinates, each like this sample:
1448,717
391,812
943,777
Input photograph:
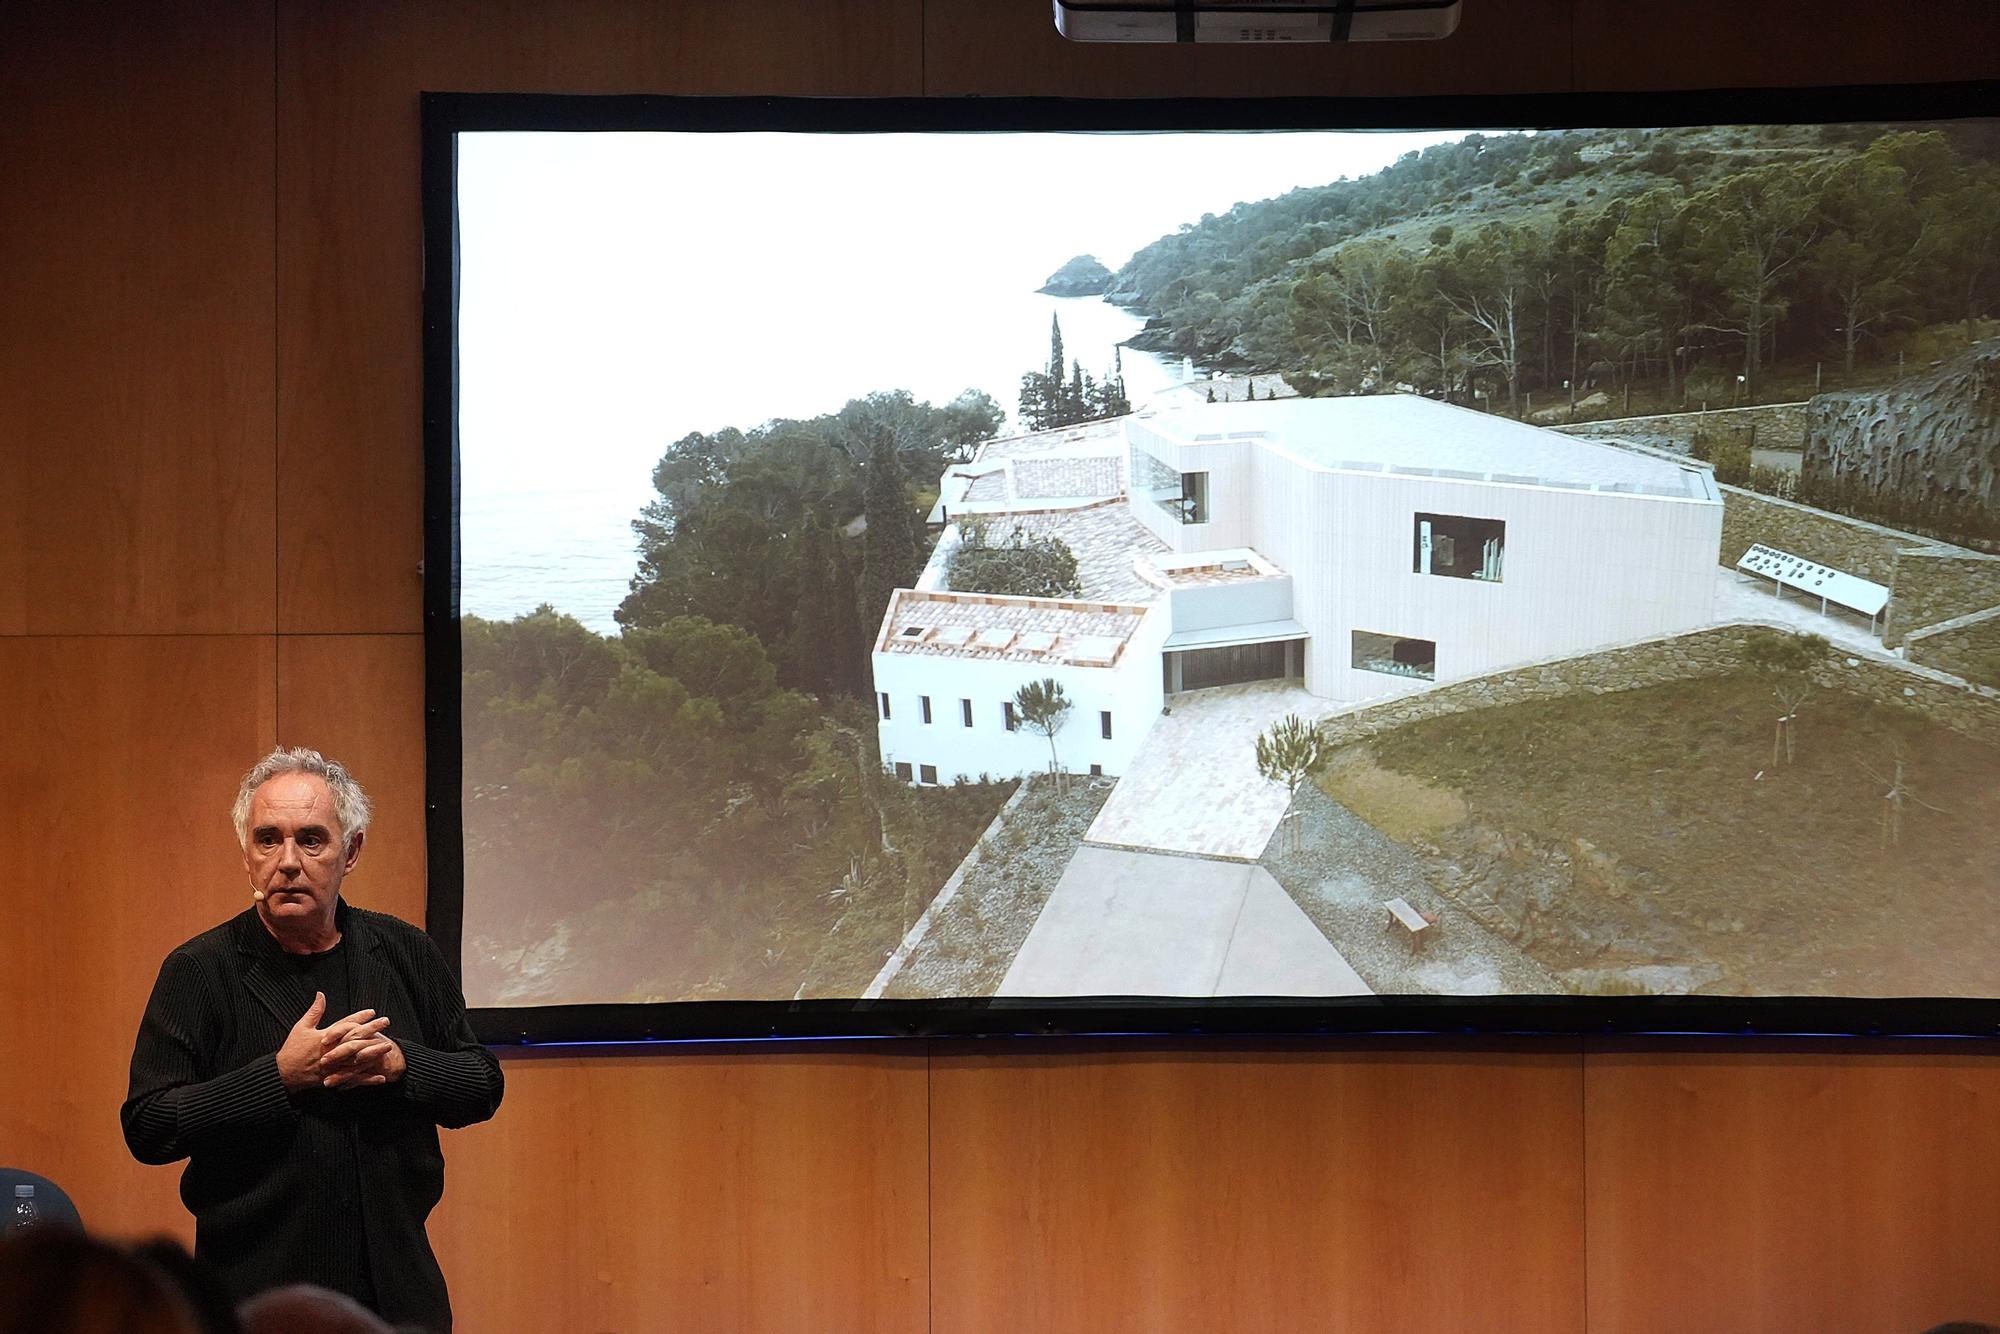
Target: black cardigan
303,1187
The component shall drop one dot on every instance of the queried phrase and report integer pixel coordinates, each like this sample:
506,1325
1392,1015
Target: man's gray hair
350,803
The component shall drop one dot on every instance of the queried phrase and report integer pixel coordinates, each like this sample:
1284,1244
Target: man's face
294,851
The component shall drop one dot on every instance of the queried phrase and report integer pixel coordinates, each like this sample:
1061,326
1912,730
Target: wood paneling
350,259
118,761
212,300
360,699
1384,1188
135,277
1782,43
1828,1190
688,1188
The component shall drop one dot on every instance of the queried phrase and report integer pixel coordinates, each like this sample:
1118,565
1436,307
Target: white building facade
947,668
1430,543
1363,546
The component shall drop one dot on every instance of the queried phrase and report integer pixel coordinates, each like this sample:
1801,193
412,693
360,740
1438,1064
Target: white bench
1416,923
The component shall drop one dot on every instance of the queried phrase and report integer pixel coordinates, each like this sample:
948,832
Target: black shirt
330,972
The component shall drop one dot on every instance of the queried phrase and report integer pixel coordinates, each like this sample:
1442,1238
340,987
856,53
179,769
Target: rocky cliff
1932,438
1082,276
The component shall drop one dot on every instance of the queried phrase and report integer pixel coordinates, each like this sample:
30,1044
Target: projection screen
1023,566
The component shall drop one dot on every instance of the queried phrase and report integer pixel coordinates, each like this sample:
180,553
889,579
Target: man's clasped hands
347,1053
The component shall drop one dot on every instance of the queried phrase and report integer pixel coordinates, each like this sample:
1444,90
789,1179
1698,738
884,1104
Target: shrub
1022,566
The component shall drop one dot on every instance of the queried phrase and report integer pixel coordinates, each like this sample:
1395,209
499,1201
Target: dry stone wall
1968,646
1655,662
1943,698
1852,545
1778,426
1936,585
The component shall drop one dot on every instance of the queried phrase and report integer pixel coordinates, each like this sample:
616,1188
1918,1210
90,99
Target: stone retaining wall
1944,699
1779,425
1967,646
1851,545
1654,662
1936,585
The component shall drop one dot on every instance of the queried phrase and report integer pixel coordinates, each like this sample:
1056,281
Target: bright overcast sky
1103,194
620,290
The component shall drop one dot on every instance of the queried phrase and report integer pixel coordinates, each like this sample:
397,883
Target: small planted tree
1044,708
1289,752
1898,792
1785,659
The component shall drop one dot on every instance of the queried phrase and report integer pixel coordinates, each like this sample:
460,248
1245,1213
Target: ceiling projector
1255,20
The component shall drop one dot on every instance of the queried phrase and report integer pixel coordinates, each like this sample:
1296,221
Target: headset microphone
257,894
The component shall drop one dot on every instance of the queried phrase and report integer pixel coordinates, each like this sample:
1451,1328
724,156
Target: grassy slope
1781,881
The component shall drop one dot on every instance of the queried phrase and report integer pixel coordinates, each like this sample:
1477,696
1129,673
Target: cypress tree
815,656
890,556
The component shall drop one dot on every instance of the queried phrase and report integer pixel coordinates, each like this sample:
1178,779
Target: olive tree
1289,752
1044,708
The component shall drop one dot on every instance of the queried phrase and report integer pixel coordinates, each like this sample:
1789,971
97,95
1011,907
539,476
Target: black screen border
446,115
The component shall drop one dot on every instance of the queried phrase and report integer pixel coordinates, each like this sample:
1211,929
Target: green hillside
1507,264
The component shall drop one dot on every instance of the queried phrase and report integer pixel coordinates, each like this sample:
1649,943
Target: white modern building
947,666
1365,546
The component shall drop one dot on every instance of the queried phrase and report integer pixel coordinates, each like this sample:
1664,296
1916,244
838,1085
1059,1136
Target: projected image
1230,564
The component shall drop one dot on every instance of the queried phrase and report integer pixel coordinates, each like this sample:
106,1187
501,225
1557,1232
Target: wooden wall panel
135,277
350,256
727,1190
1782,43
1381,1188
1822,1189
119,758
360,699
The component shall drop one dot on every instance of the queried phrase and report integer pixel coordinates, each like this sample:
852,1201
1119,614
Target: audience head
304,1309
56,1281
207,1296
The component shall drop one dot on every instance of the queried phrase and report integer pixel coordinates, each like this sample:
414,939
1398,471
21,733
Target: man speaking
302,1055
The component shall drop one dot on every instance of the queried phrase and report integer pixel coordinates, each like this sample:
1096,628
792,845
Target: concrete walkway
1741,597
1143,924
1194,787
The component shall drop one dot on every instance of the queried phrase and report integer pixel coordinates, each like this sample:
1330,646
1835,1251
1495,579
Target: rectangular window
1194,497
927,773
1458,547
1007,710
1097,771
1104,723
883,695
965,711
902,771
1184,495
924,706
1393,655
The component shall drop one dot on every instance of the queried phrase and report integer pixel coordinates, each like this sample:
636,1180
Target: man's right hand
307,1044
